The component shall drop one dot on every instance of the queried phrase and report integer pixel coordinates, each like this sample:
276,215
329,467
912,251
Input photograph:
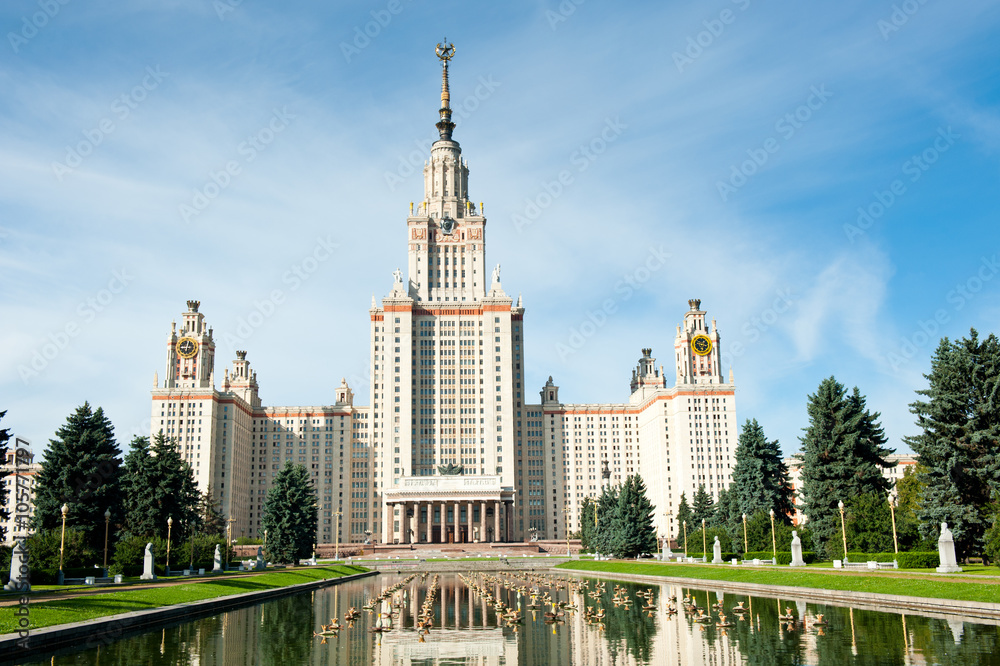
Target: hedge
913,560
783,558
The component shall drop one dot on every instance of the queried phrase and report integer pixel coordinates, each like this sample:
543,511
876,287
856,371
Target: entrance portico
449,509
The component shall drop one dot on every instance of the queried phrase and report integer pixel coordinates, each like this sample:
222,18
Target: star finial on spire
445,52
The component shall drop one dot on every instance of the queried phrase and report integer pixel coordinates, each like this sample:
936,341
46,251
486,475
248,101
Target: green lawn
78,609
877,583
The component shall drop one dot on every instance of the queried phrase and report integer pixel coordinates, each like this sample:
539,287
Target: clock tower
190,352
697,349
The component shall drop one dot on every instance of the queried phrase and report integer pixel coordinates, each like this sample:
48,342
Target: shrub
912,560
5,564
129,554
783,558
43,549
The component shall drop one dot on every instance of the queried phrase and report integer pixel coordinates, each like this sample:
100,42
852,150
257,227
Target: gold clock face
701,345
187,347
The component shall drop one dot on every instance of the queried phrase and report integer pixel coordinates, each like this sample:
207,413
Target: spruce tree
587,527
80,468
4,513
960,439
158,485
729,517
843,452
703,508
607,510
138,490
760,476
290,515
213,523
683,513
632,526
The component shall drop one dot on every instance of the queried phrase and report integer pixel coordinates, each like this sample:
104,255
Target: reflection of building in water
665,640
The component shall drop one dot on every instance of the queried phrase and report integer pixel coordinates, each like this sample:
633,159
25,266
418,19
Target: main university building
451,448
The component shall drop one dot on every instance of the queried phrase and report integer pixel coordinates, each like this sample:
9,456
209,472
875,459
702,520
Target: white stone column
458,522
483,537
496,521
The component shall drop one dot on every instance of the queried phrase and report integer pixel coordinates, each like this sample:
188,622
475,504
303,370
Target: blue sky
739,138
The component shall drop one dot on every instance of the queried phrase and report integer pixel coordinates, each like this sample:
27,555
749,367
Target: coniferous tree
607,510
843,452
703,508
683,513
159,485
138,490
632,525
290,515
81,468
587,527
960,439
4,513
760,476
213,523
729,517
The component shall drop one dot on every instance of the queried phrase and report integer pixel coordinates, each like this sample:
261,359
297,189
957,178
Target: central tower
447,356
447,233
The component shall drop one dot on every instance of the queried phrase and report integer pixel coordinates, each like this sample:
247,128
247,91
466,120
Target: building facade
20,479
450,448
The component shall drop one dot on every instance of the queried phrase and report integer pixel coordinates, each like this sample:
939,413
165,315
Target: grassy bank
875,583
79,609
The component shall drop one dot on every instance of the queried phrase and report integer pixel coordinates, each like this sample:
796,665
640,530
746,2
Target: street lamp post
191,527
566,510
107,522
62,543
893,498
229,542
746,543
843,527
685,538
336,553
774,542
265,543
170,524
704,542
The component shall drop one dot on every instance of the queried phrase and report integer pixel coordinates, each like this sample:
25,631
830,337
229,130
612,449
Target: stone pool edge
860,600
106,630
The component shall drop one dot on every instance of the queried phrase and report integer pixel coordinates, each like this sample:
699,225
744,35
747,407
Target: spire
445,52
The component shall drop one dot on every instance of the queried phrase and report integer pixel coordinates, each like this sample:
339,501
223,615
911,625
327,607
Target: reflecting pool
512,617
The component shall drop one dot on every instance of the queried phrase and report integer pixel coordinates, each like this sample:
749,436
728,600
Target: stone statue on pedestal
20,577
946,551
148,573
717,552
260,559
217,559
797,560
